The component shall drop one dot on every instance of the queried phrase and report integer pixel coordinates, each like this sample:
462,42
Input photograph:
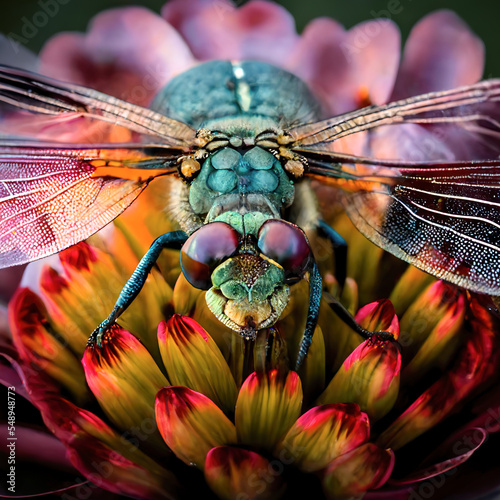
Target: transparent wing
53,197
442,217
470,114
44,96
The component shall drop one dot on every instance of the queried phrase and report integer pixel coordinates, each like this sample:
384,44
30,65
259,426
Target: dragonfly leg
339,246
173,240
315,291
351,322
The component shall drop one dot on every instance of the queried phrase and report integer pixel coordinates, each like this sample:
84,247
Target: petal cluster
174,402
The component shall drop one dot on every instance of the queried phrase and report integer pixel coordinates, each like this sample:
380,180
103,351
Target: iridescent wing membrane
53,195
441,216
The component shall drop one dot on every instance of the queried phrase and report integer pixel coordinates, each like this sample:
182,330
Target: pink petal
125,379
441,53
373,48
319,60
192,359
258,30
457,449
369,376
409,142
129,53
348,70
267,406
324,433
191,424
104,456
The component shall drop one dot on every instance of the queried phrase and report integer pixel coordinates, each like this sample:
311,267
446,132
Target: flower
174,402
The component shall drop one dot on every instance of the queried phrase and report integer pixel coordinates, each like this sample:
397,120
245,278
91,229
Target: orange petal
369,377
237,473
191,424
324,433
192,359
365,468
70,294
125,379
33,337
88,271
268,404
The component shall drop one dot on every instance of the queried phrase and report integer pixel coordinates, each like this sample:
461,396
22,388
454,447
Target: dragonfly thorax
221,89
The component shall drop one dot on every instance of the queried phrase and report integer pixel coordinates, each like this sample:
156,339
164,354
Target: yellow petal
234,473
351,475
125,379
322,434
369,377
191,424
192,359
268,404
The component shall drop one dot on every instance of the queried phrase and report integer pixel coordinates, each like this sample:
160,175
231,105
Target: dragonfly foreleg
339,246
315,291
350,321
173,240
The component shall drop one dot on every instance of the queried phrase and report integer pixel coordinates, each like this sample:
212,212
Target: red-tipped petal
430,326
237,473
364,468
80,256
191,424
39,348
268,404
379,316
192,359
441,344
369,377
474,364
323,434
125,379
107,458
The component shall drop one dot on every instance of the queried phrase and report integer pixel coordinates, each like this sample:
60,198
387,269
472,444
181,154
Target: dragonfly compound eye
286,244
205,249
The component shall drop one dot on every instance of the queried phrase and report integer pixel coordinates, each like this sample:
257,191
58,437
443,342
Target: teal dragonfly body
243,137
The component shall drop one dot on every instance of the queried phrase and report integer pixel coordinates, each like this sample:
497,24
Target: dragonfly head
247,276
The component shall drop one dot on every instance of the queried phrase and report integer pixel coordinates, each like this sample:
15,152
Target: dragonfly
244,139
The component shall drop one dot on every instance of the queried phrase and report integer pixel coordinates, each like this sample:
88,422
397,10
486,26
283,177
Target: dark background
482,15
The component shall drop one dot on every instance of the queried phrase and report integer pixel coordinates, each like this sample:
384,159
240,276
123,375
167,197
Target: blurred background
73,15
